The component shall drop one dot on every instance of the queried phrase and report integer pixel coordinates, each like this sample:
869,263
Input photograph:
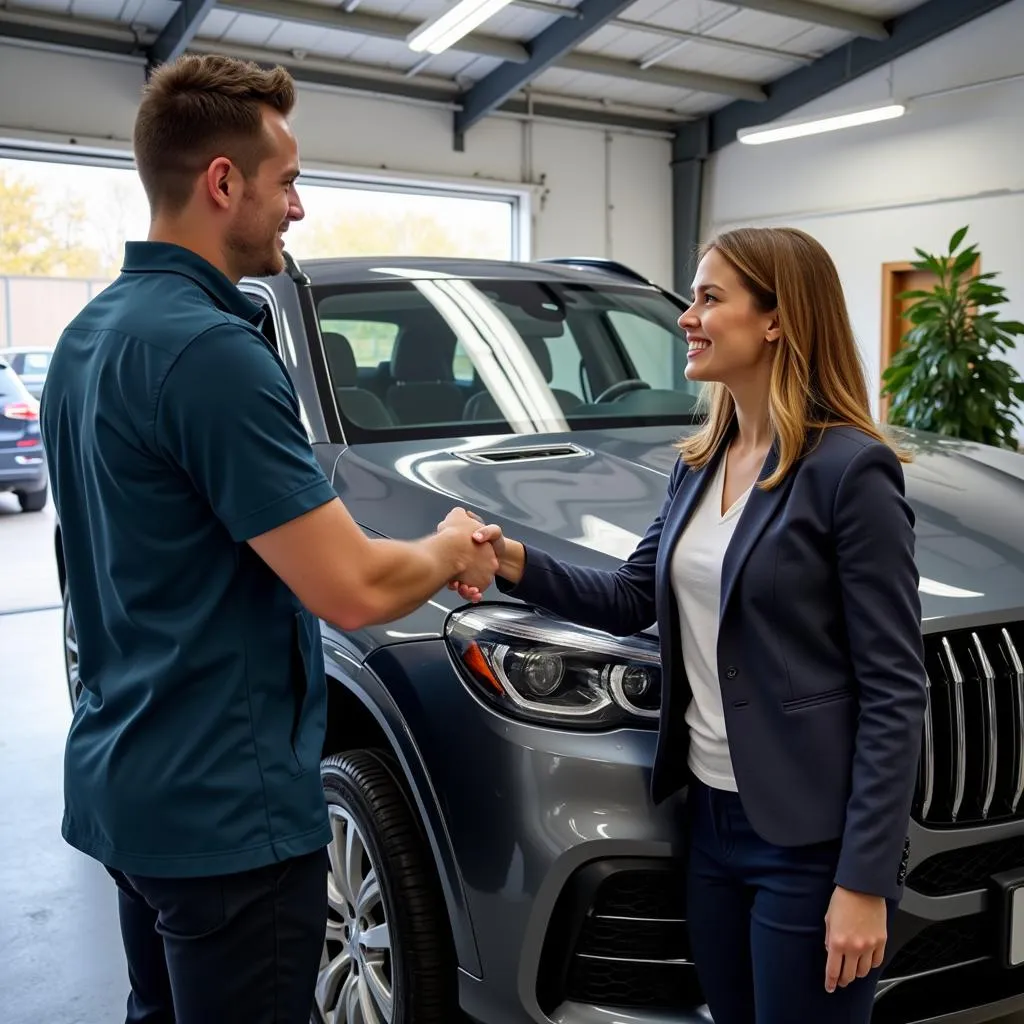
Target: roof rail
598,263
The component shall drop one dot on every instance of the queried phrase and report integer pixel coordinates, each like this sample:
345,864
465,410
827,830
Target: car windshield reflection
440,356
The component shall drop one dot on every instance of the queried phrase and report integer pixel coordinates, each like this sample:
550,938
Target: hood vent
533,453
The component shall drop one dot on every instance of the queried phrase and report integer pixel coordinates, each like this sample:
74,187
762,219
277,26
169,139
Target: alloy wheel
71,655
355,983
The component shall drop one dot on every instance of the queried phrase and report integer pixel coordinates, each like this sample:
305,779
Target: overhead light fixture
782,130
436,35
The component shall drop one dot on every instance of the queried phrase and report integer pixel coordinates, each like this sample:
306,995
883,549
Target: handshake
477,553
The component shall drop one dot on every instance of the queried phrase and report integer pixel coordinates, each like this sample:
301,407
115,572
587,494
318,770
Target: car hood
590,496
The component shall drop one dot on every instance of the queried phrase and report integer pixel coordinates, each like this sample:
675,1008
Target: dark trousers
757,922
243,947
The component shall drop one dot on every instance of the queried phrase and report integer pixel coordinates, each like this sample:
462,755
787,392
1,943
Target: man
202,540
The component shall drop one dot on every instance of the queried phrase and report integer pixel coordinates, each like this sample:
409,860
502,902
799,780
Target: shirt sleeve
228,416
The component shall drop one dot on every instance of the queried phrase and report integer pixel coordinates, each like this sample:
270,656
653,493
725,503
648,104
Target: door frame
892,324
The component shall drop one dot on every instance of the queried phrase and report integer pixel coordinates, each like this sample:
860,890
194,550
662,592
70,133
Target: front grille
604,937
972,757
627,985
619,939
643,892
966,868
961,940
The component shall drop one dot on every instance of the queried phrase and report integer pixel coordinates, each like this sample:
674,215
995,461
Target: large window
367,222
445,356
63,227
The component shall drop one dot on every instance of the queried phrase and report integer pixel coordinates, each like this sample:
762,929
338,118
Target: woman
781,575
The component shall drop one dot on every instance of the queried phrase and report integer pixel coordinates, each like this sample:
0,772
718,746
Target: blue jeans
756,917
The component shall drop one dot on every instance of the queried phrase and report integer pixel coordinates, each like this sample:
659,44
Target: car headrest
341,360
541,356
422,356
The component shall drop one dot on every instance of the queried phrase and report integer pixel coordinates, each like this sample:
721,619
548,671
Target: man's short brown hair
196,109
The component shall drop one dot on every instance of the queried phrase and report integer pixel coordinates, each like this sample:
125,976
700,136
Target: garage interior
610,127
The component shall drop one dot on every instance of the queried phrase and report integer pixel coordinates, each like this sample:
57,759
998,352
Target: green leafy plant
946,377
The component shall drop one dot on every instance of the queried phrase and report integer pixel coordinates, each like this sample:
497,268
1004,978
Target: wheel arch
361,714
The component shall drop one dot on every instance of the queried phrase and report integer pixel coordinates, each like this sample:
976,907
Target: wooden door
896,279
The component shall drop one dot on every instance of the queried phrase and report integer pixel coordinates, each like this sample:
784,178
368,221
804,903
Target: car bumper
572,877
20,472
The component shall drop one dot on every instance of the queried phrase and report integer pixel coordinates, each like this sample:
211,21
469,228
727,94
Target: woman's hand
855,936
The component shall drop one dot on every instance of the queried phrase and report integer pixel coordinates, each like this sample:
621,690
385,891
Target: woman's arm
878,579
620,602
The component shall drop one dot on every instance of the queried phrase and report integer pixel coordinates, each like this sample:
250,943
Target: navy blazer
820,650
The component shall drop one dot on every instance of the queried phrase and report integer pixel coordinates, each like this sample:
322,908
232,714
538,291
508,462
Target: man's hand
855,936
473,553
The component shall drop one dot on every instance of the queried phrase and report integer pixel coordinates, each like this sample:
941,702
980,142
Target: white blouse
696,570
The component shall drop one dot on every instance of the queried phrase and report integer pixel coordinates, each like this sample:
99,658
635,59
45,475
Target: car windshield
442,356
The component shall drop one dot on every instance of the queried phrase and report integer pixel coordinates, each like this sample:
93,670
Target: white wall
872,194
578,209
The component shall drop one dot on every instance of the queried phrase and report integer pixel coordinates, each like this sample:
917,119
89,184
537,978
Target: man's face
270,202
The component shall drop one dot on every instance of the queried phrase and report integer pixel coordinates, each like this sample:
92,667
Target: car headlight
540,669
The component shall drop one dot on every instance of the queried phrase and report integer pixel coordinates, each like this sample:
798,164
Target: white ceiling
646,56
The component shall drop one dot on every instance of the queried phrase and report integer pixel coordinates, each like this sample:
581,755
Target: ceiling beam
50,30
89,35
593,112
546,49
820,14
398,29
444,92
681,35
696,80
716,42
924,24
180,30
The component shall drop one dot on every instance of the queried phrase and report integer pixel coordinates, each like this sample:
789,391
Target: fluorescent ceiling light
781,130
436,35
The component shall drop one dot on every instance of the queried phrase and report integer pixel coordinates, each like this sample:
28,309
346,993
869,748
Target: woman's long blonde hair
817,380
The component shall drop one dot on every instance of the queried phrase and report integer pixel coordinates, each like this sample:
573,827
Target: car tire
33,501
392,939
71,653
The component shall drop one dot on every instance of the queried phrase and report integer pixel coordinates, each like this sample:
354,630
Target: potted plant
946,377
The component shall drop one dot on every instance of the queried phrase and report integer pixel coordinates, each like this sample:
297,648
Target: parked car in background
31,365
22,462
486,768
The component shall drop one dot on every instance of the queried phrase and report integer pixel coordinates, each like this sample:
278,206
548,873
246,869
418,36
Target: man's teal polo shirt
173,435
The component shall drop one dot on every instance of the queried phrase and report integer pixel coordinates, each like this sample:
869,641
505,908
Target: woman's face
729,337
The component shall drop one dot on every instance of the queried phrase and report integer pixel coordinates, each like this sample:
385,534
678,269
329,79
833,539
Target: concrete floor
60,953
60,950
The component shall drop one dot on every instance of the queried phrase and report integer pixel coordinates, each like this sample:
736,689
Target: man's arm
246,452
346,578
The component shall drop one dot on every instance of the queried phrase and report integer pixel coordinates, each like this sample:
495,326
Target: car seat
424,389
